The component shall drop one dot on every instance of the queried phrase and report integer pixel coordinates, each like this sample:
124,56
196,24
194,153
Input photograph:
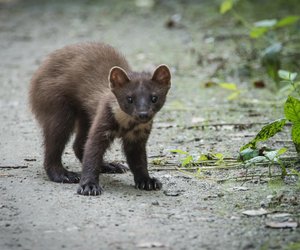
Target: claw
148,184
79,190
89,189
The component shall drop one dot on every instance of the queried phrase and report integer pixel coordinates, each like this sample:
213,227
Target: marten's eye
129,99
154,99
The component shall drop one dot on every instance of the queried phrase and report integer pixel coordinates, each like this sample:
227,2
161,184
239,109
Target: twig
210,165
235,125
250,177
215,167
14,167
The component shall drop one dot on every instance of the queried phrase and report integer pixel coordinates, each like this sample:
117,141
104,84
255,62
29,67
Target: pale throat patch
125,121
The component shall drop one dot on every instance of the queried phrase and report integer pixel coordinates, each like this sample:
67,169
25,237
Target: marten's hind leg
113,168
57,130
82,129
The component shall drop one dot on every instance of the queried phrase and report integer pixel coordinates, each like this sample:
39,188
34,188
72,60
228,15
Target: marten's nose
143,115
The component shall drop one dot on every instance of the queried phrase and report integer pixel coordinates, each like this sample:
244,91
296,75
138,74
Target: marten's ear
117,77
162,75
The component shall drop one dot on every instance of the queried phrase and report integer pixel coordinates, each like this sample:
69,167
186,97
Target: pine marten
91,90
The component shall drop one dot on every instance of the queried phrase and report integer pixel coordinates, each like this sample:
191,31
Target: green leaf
248,154
257,159
219,155
179,151
286,75
226,6
272,155
293,76
257,32
295,172
265,133
296,133
281,151
229,86
292,109
202,157
272,50
265,23
187,160
233,96
287,21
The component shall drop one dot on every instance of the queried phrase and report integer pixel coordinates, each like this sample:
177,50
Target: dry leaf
150,244
279,215
240,189
258,212
285,224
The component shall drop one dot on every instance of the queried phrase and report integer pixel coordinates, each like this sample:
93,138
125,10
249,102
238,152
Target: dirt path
189,213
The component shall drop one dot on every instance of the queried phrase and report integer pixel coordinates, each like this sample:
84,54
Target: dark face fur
140,95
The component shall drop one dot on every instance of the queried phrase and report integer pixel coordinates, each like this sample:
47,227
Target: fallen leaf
197,119
260,84
286,224
173,193
258,212
240,188
210,84
279,215
150,244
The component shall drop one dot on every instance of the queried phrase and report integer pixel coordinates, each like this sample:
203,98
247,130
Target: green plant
187,160
290,86
292,114
252,156
195,163
272,36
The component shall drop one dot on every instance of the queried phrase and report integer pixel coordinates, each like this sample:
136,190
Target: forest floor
194,210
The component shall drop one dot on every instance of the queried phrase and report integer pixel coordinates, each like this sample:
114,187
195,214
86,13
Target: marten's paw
90,188
114,168
64,176
148,184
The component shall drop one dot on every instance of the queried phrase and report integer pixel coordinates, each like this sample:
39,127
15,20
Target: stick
14,167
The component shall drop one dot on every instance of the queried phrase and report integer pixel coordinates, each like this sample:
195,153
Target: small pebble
155,203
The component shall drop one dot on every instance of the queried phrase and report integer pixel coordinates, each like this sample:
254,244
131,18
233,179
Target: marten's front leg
93,158
98,141
135,151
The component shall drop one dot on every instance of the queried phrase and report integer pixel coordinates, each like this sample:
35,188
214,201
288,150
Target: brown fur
71,92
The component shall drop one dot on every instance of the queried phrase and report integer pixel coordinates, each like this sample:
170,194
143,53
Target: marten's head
140,95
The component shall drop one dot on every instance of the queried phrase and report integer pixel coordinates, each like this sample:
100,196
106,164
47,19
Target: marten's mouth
143,120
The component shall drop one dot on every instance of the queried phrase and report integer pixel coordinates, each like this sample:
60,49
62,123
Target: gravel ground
189,212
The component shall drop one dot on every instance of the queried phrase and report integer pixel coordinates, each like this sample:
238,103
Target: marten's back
74,75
